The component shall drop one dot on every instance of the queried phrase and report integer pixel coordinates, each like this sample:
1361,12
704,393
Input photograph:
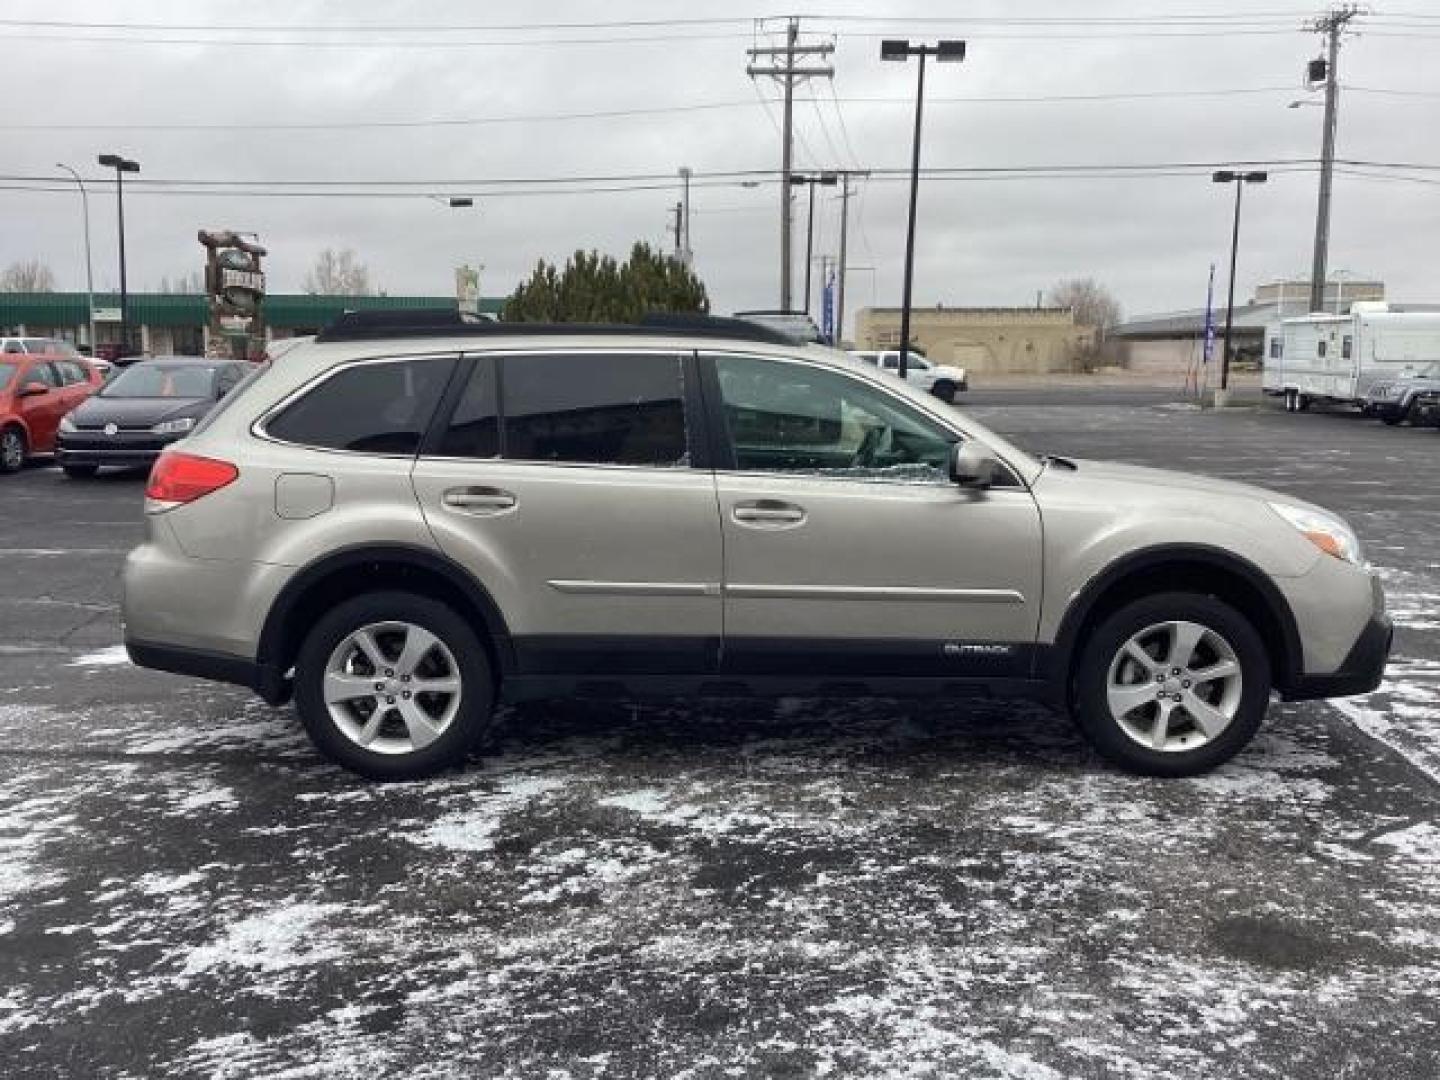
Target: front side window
71,372
788,417
371,408
594,409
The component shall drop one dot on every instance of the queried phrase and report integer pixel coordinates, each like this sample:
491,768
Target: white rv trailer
1336,358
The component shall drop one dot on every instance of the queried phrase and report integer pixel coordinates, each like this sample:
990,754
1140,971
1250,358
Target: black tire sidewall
945,391
477,689
79,472
1092,711
5,436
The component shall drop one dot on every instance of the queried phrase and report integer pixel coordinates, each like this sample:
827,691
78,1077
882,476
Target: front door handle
479,500
768,513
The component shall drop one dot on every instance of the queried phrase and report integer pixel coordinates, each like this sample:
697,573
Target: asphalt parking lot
734,889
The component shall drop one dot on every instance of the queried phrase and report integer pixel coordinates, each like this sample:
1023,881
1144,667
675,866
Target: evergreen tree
595,288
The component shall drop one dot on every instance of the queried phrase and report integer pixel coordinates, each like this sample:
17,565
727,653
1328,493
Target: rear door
847,549
573,485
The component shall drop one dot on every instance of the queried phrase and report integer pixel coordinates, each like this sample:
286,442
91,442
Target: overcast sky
980,241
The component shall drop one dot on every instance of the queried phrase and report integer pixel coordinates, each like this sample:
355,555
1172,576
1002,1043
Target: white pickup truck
939,379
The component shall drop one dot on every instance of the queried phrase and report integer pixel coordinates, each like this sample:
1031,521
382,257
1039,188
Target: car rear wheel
1172,685
80,472
945,391
394,686
12,449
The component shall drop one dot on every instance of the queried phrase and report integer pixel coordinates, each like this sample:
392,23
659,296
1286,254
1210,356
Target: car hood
135,412
1144,477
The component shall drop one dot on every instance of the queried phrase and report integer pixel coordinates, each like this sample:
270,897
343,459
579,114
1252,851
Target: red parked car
35,392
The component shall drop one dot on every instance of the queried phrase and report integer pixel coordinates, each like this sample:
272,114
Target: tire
12,450
449,722
1390,419
945,391
80,472
1107,664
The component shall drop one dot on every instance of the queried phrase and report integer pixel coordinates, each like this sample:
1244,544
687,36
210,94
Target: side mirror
972,465
33,389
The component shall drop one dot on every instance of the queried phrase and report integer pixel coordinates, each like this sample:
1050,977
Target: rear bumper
215,666
1359,673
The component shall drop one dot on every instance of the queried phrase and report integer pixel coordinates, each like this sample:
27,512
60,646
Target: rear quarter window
373,407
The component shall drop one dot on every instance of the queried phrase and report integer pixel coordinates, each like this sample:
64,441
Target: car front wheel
394,686
1172,684
945,391
12,450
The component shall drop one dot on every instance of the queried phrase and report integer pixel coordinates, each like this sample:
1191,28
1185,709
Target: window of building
787,417
597,409
373,408
1276,346
1320,348
1346,344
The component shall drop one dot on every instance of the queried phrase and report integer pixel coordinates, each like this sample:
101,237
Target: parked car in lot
11,346
1407,398
143,409
36,391
942,380
404,529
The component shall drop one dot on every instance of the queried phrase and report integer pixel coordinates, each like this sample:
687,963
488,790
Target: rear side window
71,372
599,408
372,408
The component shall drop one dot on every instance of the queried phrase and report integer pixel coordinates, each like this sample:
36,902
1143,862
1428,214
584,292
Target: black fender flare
1289,662
274,636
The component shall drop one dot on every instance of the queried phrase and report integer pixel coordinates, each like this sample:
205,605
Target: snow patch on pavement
286,937
112,656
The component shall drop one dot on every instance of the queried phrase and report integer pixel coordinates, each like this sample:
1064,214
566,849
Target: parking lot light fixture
951,51
121,165
1239,179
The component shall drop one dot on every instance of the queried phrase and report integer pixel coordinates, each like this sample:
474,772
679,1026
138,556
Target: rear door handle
479,500
769,513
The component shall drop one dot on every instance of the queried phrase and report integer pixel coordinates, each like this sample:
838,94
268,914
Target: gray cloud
981,241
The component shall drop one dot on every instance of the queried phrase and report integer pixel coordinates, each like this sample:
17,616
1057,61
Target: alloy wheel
392,687
1174,686
12,450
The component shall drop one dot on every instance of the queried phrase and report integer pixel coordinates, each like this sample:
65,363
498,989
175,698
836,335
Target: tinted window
71,372
229,378
606,409
786,417
14,347
1274,348
379,408
248,373
474,429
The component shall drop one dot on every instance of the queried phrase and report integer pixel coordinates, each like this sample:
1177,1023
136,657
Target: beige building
992,339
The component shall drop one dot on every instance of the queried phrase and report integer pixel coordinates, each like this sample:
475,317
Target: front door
566,483
847,549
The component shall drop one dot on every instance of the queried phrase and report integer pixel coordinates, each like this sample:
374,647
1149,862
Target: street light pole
121,165
1239,179
827,180
953,51
89,271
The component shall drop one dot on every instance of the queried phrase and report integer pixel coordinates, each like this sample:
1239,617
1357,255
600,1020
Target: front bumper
124,448
1360,671
1386,410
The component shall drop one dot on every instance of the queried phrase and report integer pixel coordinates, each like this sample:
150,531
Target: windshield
162,381
7,372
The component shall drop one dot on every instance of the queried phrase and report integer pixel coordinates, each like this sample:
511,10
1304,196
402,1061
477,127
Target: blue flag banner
827,310
1210,317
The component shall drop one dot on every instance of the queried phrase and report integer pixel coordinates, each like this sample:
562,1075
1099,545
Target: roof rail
448,322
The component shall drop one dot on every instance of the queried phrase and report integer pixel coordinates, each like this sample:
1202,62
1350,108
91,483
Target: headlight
66,424
1326,532
174,427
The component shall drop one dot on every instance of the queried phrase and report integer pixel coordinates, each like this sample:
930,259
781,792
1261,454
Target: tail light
182,478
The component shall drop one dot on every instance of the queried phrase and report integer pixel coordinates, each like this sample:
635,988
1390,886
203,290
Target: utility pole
687,253
845,175
678,228
783,68
1332,26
